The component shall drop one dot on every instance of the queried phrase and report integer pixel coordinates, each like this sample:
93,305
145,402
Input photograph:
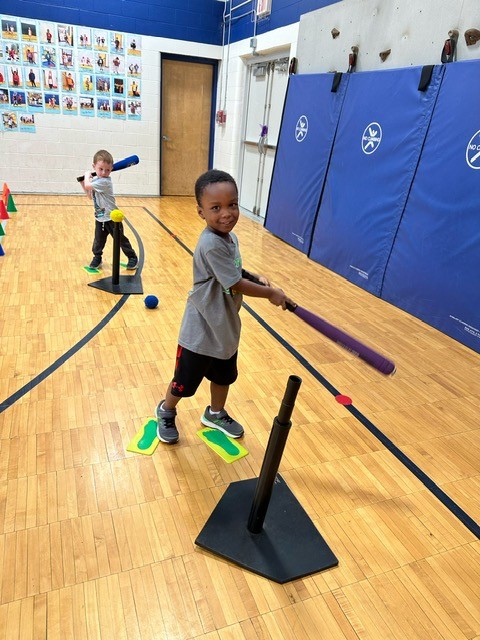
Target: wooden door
186,122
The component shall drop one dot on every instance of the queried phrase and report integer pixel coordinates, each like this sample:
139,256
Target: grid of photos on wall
46,67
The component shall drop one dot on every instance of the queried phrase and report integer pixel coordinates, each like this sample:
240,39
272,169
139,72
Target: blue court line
444,498
8,402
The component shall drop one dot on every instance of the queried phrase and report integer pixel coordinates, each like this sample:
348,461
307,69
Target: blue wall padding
309,123
380,135
434,270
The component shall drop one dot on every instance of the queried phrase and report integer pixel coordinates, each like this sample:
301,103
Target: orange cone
3,212
5,192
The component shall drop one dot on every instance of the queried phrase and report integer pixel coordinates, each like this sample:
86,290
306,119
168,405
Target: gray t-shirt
103,198
211,322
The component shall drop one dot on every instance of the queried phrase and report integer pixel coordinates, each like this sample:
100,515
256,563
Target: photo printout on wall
48,33
118,65
134,66
134,45
100,40
85,60
9,119
84,38
15,76
102,84
35,102
87,106
29,31
12,52
51,102
32,80
116,42
102,62
65,34
3,75
65,57
134,110
48,56
104,108
133,88
87,83
18,100
9,28
69,105
69,81
26,123
30,54
119,86
50,79
119,109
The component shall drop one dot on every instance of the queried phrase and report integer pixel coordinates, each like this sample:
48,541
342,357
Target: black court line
8,402
444,498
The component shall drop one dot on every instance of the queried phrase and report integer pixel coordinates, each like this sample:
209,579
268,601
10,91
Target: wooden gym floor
97,542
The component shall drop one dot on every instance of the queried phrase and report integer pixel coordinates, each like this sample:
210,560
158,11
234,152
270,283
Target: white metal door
266,87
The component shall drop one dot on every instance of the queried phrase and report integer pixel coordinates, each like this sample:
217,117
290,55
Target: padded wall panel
434,270
379,139
309,123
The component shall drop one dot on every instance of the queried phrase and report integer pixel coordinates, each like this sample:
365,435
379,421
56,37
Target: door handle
166,138
262,140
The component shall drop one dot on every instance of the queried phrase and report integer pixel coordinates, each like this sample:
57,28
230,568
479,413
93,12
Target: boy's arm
87,184
249,275
252,285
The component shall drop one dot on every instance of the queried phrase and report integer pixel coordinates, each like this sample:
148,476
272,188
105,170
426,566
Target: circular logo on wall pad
301,129
473,151
371,138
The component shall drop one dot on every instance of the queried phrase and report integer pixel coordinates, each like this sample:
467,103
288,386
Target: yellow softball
116,215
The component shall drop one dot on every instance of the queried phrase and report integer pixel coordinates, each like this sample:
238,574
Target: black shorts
191,368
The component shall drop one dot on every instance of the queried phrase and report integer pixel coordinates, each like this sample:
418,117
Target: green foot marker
221,440
145,441
149,435
226,448
90,270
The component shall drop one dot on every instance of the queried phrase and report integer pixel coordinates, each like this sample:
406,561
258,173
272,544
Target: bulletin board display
52,68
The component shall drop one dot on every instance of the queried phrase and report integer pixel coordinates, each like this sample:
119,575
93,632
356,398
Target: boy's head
106,156
217,201
103,163
211,177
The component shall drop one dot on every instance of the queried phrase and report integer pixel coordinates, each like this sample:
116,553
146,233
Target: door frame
214,64
272,55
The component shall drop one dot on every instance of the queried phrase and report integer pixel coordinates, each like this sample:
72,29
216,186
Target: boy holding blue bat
210,329
99,188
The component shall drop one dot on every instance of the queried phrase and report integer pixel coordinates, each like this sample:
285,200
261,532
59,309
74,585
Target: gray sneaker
166,429
223,422
96,262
